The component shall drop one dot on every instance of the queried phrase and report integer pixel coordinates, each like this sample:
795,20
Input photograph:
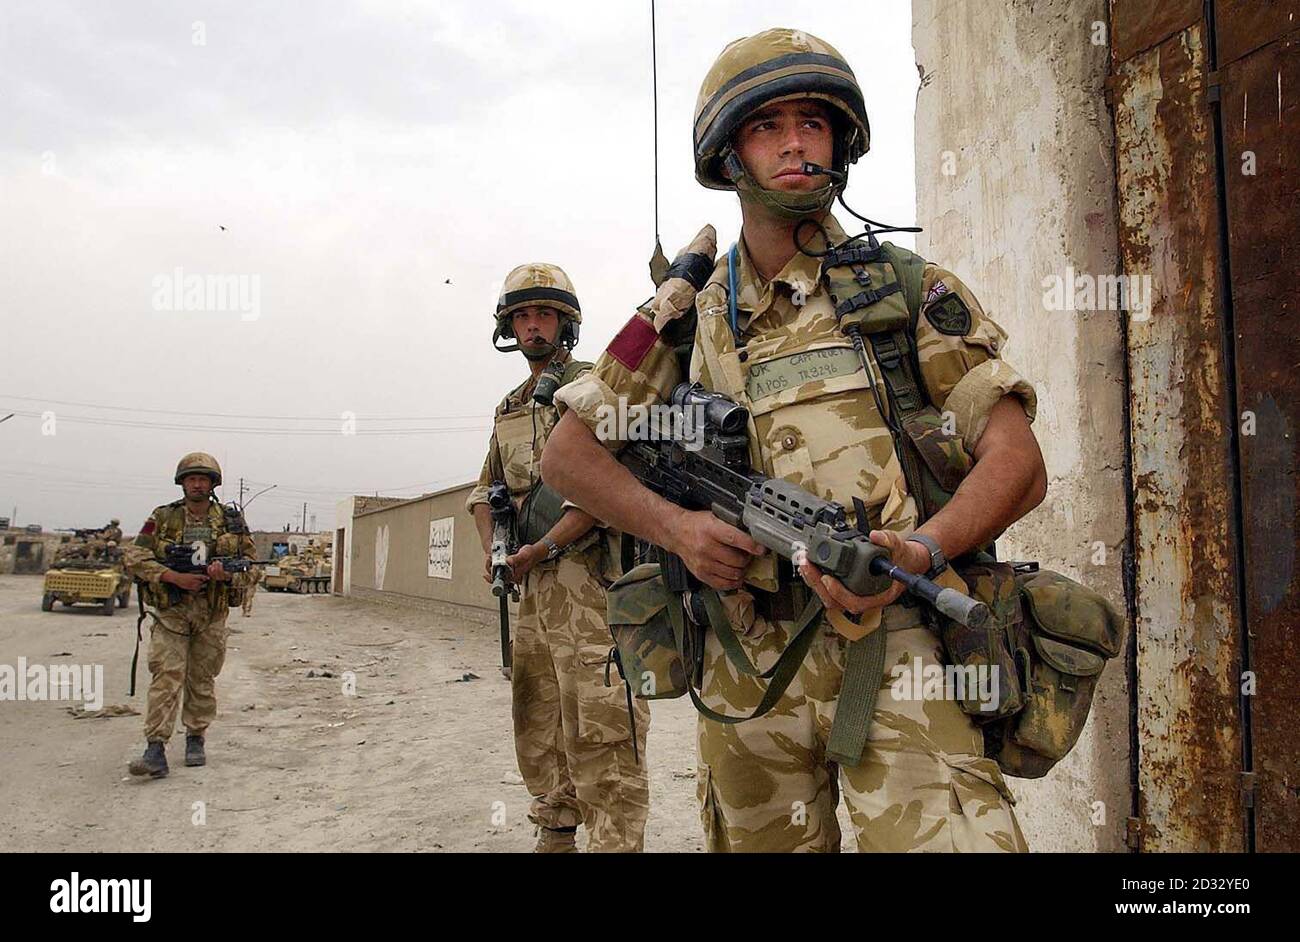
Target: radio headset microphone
814,170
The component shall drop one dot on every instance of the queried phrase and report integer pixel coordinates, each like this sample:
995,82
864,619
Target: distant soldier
112,532
187,645
254,576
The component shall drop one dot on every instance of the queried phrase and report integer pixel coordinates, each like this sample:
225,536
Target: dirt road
417,760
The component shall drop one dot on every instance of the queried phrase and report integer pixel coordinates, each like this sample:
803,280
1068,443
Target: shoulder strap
572,369
895,350
909,268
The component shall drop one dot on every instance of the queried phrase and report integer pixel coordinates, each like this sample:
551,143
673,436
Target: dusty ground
416,761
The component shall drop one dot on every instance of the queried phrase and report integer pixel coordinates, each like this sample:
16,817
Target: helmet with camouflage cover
199,462
543,285
776,65
114,522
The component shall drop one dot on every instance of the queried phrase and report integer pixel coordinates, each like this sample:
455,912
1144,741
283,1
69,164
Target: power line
236,415
161,426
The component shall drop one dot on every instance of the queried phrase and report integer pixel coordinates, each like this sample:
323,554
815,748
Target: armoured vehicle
304,572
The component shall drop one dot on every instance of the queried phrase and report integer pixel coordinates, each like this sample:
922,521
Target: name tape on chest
787,372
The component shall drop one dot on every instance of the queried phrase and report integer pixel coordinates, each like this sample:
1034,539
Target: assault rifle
785,518
181,557
503,544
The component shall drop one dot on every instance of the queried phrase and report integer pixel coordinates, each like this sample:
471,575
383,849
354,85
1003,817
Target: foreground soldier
187,642
770,103
573,736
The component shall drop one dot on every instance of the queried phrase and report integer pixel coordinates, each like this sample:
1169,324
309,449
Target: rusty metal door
1205,108
1257,72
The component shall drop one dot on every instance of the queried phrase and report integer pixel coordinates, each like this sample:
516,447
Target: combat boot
556,841
153,763
194,750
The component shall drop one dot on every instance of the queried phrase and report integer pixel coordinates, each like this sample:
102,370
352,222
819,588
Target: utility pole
304,517
241,493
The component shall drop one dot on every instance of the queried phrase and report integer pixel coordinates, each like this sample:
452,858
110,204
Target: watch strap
938,562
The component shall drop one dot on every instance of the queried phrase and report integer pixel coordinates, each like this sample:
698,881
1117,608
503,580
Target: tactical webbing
782,672
865,299
135,658
864,666
893,352
613,657
909,269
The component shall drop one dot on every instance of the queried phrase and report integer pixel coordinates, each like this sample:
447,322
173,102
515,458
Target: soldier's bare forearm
1008,480
583,471
483,523
569,527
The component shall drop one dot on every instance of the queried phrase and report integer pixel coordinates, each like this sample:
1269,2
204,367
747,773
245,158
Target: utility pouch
637,607
1067,634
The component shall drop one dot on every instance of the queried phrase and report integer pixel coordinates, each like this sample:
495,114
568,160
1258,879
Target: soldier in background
253,577
187,642
112,532
577,746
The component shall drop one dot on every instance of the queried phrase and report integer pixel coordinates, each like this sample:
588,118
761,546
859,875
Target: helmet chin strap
567,340
778,202
537,354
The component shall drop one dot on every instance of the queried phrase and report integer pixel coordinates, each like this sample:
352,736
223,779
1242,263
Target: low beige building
425,548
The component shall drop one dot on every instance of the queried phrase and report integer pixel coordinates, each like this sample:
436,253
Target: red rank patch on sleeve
148,527
633,342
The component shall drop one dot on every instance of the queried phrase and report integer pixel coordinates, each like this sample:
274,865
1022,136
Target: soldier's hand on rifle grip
218,572
186,581
716,552
910,556
524,559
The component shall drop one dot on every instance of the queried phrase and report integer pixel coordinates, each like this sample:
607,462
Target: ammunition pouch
541,509
986,651
660,652
638,608
1062,642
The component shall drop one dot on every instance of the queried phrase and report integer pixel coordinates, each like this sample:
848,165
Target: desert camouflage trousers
923,783
187,648
573,737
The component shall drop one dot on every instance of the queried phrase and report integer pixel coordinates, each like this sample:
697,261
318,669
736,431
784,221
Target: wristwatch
938,562
553,549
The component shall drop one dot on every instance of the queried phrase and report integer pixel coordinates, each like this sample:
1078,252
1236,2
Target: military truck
305,572
101,582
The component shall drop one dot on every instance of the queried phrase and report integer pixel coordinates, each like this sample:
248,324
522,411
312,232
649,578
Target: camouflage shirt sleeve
637,369
492,471
561,408
140,557
961,356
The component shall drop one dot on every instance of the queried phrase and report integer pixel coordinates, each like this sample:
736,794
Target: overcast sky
359,155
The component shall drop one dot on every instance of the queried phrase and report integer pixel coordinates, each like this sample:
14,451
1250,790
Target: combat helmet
199,462
776,65
543,285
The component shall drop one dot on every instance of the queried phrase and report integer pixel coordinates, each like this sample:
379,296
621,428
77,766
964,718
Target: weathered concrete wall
12,540
390,551
1015,185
